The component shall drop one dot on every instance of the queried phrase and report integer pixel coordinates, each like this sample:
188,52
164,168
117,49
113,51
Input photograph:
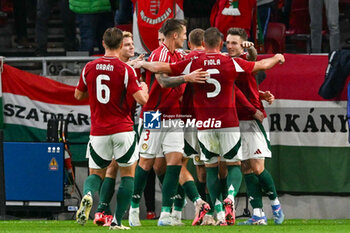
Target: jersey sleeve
180,67
242,103
130,80
82,86
243,65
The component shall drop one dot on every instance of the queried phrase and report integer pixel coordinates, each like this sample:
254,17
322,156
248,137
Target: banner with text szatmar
309,135
30,100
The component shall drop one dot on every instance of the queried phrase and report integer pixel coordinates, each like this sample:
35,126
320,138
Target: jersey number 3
103,92
213,81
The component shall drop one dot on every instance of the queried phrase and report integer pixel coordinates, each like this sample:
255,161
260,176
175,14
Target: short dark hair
212,37
172,25
196,36
238,32
113,38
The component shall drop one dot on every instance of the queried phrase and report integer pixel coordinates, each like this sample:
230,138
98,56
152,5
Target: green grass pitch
292,226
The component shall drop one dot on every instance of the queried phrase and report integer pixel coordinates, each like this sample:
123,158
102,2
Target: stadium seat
299,24
125,27
275,38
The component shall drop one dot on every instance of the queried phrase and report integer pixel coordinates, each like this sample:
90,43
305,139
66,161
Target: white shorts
225,142
192,148
120,146
157,142
255,140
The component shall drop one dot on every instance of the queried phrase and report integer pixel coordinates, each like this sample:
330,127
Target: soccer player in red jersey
169,141
214,102
255,140
108,82
103,215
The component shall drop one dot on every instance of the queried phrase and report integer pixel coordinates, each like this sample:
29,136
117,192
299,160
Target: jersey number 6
100,88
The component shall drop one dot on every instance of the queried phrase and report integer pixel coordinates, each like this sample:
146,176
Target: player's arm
141,96
268,63
80,95
197,76
243,102
154,67
252,53
267,96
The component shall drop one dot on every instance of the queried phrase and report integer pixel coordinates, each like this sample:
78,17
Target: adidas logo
257,152
136,196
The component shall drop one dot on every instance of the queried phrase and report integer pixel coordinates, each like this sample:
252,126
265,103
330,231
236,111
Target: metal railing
44,60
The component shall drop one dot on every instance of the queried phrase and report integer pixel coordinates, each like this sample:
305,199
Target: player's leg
201,183
254,192
100,156
170,186
106,193
103,215
159,167
258,167
172,145
149,195
256,148
126,154
209,149
266,181
208,218
187,183
223,178
148,149
124,195
231,151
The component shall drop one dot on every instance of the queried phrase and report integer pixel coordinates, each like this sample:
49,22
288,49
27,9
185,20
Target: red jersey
110,83
246,82
166,100
187,107
215,99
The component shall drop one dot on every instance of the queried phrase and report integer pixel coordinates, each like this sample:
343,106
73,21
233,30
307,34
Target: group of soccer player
203,85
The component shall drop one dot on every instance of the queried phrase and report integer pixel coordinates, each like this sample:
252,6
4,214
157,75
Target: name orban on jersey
108,67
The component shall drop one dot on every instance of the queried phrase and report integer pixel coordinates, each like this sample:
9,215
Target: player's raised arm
268,63
252,53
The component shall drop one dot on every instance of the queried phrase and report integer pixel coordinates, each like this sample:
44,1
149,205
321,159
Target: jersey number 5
103,92
214,82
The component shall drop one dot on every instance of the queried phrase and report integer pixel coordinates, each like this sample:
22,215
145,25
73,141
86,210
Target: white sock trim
275,202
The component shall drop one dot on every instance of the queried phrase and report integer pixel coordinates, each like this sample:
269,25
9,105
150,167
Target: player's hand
247,44
134,61
258,115
267,96
280,58
138,64
197,76
144,86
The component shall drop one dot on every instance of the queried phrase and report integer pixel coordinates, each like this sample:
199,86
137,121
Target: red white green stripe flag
309,135
30,100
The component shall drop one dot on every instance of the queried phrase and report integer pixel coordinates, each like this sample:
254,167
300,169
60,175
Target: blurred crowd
263,20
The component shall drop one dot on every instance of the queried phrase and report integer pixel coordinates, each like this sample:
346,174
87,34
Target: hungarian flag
309,135
30,100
